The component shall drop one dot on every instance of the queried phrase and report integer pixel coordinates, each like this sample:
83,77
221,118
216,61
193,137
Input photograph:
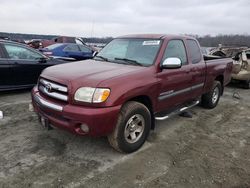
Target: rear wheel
132,128
211,99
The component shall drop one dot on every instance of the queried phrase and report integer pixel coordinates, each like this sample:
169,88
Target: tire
132,128
246,84
211,99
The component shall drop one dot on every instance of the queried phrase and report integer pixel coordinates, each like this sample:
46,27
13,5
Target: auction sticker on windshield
151,42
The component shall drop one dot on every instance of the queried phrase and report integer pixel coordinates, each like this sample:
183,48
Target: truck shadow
236,85
67,145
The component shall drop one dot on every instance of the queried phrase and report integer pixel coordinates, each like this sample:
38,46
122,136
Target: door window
71,48
21,53
1,53
176,48
84,49
194,51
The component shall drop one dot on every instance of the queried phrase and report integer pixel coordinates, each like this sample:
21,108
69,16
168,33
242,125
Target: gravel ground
212,149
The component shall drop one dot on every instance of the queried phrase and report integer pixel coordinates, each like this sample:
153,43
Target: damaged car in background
241,62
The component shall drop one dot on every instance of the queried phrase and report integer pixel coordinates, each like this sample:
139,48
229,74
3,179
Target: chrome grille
53,89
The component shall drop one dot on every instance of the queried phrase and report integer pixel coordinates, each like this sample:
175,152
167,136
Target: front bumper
100,121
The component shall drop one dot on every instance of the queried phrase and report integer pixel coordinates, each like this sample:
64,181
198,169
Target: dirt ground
210,150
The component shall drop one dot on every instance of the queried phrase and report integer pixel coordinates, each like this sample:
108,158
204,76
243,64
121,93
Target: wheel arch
145,100
220,78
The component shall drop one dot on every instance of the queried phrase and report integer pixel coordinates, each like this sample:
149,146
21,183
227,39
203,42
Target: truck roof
156,36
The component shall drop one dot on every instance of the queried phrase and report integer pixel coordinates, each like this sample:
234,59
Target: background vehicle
35,43
134,80
241,62
241,70
62,39
68,51
20,65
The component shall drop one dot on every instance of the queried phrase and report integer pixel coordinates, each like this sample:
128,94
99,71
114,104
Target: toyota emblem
48,87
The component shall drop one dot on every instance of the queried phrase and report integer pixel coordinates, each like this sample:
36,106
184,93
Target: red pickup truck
133,81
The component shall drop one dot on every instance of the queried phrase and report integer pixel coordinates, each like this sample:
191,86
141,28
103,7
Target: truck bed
217,66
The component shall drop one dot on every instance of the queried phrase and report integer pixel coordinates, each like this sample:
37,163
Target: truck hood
88,73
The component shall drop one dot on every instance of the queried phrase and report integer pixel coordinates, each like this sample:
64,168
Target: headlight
84,94
92,95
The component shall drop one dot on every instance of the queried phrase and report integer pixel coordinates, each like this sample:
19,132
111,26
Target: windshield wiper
131,61
101,57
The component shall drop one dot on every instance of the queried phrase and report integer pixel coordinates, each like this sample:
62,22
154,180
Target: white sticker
151,42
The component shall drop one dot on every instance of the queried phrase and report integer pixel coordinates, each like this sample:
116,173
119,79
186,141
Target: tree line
225,40
206,41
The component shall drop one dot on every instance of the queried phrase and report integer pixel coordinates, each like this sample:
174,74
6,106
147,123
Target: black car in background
20,65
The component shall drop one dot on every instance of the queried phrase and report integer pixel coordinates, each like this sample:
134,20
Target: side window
1,52
71,48
19,52
84,49
194,50
176,48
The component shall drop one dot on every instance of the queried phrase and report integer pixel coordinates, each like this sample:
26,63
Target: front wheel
132,127
211,99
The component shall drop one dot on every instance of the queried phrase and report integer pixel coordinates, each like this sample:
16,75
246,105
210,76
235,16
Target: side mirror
171,63
42,60
95,53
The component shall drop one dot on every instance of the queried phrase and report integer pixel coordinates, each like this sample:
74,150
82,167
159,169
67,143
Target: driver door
175,88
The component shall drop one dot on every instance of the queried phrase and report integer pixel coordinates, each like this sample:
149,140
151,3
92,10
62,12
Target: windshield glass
142,51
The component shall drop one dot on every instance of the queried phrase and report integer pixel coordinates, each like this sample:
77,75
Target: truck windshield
131,51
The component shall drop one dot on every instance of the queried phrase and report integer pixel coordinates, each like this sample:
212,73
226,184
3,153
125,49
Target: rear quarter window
194,51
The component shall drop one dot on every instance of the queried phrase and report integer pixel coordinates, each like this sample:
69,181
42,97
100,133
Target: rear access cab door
198,67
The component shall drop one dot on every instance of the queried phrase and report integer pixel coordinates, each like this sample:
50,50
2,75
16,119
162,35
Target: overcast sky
88,18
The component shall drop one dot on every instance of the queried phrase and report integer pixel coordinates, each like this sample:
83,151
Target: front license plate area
45,123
